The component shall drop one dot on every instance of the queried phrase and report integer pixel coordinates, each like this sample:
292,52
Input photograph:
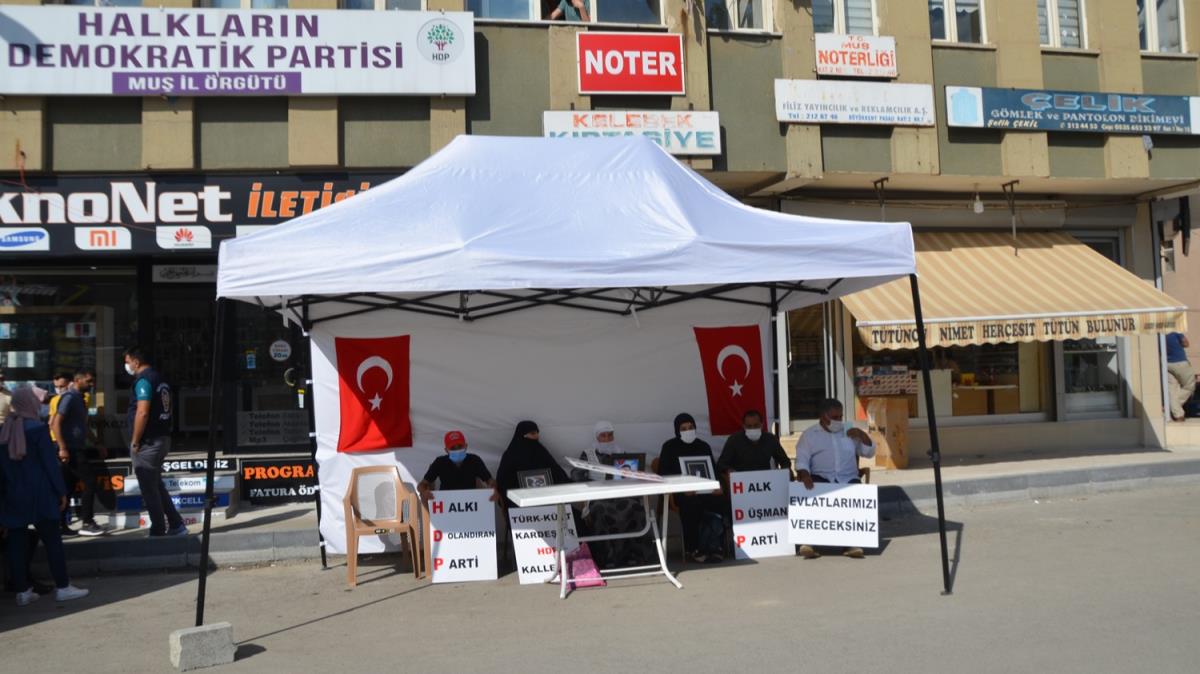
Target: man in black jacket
752,448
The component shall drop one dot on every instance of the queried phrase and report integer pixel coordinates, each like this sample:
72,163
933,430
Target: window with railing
572,11
1060,23
738,14
382,4
851,17
244,4
1160,25
957,20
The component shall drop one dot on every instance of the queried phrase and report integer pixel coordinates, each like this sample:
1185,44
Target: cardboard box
1006,401
970,402
887,424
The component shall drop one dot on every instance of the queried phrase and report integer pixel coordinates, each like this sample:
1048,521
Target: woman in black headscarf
525,452
697,512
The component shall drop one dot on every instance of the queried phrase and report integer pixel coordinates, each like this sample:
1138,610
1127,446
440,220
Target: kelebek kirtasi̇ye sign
1075,111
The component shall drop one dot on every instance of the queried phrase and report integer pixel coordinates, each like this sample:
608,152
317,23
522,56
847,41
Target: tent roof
514,214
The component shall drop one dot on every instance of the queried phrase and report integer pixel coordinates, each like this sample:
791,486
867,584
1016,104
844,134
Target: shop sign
759,500
272,427
189,501
535,538
18,239
462,536
842,102
1075,111
266,481
126,51
185,483
680,133
629,63
834,514
879,336
185,273
856,55
197,465
150,213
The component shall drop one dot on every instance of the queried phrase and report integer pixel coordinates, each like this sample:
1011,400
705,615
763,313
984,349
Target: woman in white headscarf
613,516
34,493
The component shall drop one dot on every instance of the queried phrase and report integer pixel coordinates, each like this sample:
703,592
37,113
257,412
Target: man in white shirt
828,452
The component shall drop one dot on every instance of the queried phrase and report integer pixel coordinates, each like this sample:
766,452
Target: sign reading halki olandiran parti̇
216,52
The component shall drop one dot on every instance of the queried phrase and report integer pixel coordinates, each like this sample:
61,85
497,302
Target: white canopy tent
591,260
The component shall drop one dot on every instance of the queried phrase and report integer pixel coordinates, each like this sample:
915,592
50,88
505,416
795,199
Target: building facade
966,118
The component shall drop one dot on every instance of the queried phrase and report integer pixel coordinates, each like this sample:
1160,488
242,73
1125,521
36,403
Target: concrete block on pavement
204,646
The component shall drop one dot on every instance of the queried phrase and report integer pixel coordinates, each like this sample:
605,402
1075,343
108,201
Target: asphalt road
1103,583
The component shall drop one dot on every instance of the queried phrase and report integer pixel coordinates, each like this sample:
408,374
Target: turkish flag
373,393
733,374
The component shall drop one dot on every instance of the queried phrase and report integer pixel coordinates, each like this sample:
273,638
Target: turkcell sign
630,63
844,102
1074,111
680,133
126,51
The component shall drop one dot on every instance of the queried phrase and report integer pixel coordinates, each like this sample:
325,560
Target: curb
895,501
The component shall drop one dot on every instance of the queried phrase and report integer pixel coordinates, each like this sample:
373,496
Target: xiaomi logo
103,238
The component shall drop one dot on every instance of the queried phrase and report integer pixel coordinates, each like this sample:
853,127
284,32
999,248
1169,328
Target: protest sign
462,536
759,500
535,538
834,514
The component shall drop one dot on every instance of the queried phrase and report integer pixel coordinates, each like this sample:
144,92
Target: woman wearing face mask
526,452
456,469
696,511
613,516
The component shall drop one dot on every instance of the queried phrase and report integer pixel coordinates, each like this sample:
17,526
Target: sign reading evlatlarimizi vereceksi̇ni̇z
1074,111
128,51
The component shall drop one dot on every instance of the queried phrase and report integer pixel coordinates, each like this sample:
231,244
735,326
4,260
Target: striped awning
977,288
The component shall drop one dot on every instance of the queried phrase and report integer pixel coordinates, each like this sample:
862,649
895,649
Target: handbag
583,569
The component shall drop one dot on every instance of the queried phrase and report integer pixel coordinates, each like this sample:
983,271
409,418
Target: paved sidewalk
289,532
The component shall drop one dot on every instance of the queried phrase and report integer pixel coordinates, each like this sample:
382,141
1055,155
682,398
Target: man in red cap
456,470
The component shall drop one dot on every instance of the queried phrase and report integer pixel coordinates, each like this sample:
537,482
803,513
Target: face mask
836,426
129,370
457,455
753,434
606,447
688,436
60,389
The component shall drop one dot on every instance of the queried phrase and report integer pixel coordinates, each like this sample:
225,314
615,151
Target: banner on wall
128,51
759,500
1075,111
731,358
630,63
678,132
856,55
844,102
462,536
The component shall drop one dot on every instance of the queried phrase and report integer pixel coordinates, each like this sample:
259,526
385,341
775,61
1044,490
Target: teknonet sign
630,63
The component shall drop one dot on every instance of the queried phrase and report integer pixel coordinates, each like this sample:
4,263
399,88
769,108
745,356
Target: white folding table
562,495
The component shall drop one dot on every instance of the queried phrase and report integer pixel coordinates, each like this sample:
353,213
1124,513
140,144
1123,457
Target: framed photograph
628,463
532,479
697,466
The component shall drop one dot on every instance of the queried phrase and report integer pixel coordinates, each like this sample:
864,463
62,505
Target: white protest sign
759,499
834,514
462,536
535,535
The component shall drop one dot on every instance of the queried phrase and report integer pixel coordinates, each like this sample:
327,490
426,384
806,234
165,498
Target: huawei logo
183,235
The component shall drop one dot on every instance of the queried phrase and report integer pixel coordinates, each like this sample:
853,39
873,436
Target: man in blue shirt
69,427
150,441
1182,381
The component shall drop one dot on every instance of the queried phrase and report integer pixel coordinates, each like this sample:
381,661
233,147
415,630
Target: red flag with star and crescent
733,377
373,393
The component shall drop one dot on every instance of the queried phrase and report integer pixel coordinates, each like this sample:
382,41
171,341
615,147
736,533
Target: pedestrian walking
69,427
1182,379
150,441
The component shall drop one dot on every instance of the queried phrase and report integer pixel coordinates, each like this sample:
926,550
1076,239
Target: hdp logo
440,41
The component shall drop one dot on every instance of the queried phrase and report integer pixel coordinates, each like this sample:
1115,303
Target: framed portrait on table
531,479
697,466
628,462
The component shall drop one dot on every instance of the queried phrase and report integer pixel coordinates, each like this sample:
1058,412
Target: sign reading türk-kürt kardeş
834,514
535,539
678,132
759,502
128,51
462,536
843,102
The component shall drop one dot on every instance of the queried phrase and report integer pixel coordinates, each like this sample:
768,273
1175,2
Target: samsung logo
14,238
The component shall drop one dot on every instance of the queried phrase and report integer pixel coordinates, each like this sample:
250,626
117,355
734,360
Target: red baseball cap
455,438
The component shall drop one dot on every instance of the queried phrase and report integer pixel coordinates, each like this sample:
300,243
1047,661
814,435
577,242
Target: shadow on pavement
912,522
335,614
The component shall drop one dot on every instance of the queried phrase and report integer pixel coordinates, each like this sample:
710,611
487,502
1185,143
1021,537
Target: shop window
853,17
646,12
382,4
243,4
956,20
266,361
738,14
978,381
1060,23
1160,25
1093,380
59,320
806,373
103,3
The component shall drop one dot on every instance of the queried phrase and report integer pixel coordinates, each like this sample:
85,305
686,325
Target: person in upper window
699,513
456,470
752,448
571,10
828,452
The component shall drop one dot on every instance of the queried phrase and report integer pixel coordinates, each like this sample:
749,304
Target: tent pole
775,360
210,468
935,452
306,399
